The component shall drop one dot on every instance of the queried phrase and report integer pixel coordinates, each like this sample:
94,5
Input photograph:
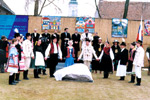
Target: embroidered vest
52,48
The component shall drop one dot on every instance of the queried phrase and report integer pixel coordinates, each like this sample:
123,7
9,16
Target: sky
85,7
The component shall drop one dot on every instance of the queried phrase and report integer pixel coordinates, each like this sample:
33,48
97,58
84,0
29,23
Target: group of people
41,51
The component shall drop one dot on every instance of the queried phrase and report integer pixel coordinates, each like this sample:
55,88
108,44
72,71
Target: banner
8,23
51,23
83,23
147,27
119,27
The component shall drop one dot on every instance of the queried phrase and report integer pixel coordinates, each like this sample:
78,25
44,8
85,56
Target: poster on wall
147,27
119,27
10,23
83,23
51,23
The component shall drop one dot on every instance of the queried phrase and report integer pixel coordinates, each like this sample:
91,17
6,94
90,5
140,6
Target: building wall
102,26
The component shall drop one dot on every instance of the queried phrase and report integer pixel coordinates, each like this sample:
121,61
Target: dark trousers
76,54
2,68
106,74
52,63
115,65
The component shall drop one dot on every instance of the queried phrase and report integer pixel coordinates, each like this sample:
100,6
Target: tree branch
97,9
42,7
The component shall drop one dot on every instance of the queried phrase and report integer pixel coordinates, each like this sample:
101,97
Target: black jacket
63,41
35,38
116,51
45,40
76,38
123,57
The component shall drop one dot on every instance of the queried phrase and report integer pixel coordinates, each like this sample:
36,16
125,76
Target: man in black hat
116,50
138,62
122,62
65,37
51,55
76,42
28,52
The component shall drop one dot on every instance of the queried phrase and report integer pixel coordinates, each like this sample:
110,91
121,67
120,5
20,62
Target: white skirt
39,59
121,70
12,70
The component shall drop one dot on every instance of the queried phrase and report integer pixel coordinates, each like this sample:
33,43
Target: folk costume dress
70,56
39,57
123,59
13,65
53,51
21,62
87,53
130,60
106,59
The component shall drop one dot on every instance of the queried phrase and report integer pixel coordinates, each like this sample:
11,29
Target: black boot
138,81
44,72
35,73
132,79
11,80
25,73
17,77
122,78
39,71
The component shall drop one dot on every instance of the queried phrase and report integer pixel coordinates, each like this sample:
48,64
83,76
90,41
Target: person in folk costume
35,36
18,46
65,37
122,62
138,62
148,57
98,48
131,57
46,39
70,54
85,36
22,60
55,34
51,55
12,63
130,61
116,50
28,52
39,55
87,53
76,42
106,58
4,45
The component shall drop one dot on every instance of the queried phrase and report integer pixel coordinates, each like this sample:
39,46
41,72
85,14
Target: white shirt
147,54
35,34
55,51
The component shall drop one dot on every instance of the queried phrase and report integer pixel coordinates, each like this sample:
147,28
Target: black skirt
130,66
52,61
106,63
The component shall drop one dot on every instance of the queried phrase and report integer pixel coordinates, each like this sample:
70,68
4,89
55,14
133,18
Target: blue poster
9,23
119,27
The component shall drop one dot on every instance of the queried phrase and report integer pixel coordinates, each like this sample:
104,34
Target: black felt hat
123,43
87,39
133,43
140,42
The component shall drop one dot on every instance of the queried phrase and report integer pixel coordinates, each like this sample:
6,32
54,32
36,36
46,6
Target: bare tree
38,12
126,9
97,9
